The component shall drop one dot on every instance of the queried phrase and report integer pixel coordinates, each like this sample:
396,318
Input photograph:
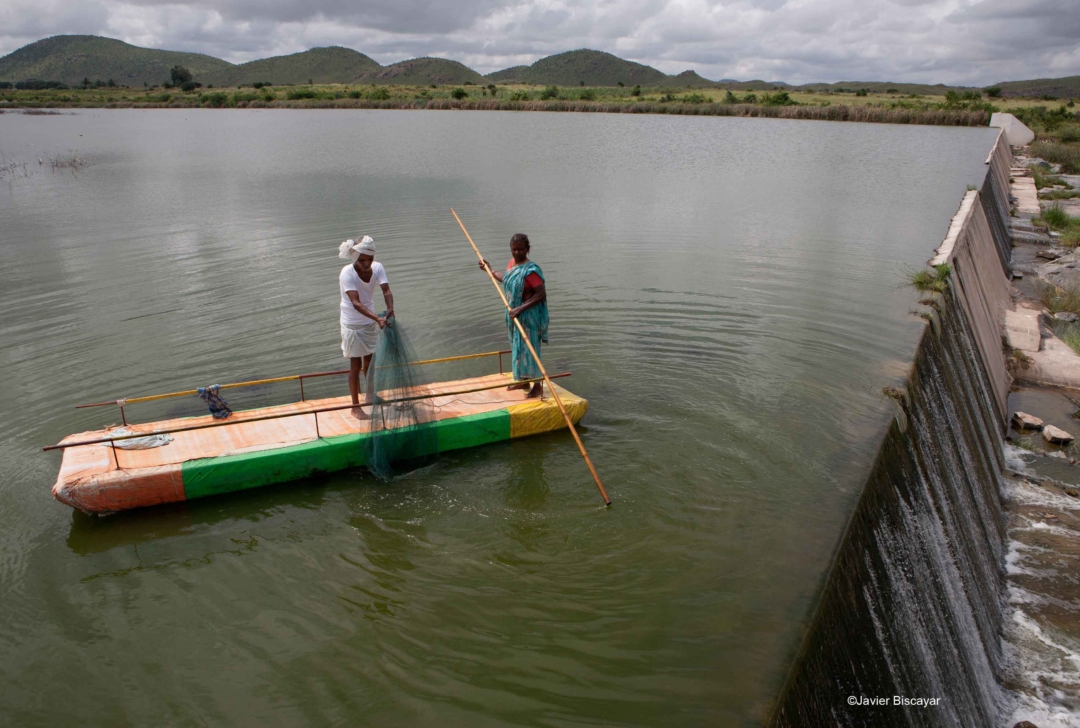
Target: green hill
423,72
689,79
595,68
321,65
71,58
884,86
1065,88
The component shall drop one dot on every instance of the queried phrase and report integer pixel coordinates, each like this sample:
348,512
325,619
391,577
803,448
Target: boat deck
247,450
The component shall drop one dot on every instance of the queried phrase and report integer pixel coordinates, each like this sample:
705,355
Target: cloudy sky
971,42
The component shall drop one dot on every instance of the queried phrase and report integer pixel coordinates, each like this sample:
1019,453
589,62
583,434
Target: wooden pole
539,364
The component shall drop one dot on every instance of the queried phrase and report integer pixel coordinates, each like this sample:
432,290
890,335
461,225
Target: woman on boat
360,325
523,284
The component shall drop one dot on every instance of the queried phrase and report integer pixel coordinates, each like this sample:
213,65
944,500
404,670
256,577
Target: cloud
972,42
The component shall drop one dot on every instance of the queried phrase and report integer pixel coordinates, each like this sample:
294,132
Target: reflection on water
724,290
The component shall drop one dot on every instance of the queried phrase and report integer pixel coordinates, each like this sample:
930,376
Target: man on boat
524,286
360,325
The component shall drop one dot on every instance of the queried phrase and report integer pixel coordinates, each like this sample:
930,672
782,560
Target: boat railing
111,440
123,402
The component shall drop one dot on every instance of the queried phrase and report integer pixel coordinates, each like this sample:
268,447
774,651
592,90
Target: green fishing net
403,431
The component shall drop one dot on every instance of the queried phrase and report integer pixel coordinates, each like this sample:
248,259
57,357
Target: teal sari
534,320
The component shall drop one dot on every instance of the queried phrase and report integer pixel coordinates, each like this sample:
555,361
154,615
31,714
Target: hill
884,86
689,79
595,68
71,58
320,65
1065,88
423,72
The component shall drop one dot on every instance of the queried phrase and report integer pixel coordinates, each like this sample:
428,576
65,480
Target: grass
1056,217
1044,178
1069,333
1058,220
1062,153
934,279
1058,298
1059,195
710,101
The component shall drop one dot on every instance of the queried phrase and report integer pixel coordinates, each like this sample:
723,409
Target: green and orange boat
195,457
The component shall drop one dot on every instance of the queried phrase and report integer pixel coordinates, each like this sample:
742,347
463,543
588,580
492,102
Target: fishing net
402,420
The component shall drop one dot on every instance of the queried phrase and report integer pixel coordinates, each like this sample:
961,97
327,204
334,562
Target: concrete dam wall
907,628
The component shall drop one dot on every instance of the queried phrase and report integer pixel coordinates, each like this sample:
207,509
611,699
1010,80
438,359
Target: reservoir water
728,293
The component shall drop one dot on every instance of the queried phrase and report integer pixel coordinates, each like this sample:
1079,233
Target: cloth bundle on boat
140,443
219,408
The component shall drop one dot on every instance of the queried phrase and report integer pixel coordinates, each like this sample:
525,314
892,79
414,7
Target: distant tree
310,82
179,75
459,93
491,89
379,94
891,91
549,92
188,86
636,91
621,84
110,83
993,92
85,82
862,92
582,83
729,98
750,99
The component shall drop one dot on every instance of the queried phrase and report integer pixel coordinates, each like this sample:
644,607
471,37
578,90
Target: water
1042,610
726,291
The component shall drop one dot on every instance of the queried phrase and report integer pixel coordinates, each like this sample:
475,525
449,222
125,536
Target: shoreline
857,113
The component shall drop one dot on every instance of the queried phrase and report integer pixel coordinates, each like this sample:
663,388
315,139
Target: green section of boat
212,476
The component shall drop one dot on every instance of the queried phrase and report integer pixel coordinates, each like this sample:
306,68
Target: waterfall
911,608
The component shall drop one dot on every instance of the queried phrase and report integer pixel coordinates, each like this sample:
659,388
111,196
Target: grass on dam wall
969,109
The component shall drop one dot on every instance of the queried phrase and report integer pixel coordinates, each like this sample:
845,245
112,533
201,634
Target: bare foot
522,385
358,412
536,391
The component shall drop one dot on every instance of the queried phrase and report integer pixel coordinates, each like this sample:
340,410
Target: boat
196,457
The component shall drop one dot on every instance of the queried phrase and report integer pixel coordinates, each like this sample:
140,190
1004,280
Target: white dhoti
359,340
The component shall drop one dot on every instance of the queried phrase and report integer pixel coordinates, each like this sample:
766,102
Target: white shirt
349,280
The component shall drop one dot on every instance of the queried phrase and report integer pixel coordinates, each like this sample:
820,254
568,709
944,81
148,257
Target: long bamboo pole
539,364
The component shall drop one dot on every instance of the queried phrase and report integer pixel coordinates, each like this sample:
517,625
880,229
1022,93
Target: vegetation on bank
179,91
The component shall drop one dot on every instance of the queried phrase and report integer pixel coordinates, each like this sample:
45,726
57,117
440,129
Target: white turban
351,250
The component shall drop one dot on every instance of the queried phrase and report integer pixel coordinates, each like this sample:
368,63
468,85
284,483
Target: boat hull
250,453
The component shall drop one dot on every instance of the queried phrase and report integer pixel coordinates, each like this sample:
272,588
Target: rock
1022,329
1057,454
1018,274
1056,435
1051,253
1066,316
1024,421
1072,492
1025,724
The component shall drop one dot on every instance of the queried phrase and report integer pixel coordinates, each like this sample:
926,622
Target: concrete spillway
907,629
